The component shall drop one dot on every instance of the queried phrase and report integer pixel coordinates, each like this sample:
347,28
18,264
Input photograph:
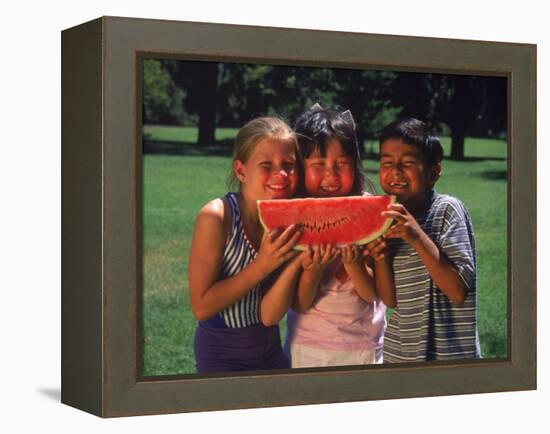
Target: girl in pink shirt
337,317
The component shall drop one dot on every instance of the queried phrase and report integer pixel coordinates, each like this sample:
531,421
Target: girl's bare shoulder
215,213
213,209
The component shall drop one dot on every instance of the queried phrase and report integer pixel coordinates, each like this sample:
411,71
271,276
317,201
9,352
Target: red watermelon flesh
337,220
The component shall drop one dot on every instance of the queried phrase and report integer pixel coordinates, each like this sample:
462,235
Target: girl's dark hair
416,133
317,127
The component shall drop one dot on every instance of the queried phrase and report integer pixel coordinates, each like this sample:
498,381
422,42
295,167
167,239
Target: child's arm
441,269
314,263
383,272
208,295
358,273
278,298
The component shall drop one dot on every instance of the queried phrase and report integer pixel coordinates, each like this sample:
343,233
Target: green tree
162,99
367,94
242,93
249,90
463,103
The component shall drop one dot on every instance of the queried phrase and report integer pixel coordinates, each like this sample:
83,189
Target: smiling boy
432,250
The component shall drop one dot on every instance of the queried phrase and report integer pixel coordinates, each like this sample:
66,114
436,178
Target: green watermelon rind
383,229
371,237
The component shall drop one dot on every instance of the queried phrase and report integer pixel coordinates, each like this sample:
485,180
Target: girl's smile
331,175
270,171
278,188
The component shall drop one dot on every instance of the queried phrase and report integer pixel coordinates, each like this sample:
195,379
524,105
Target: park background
30,179
191,112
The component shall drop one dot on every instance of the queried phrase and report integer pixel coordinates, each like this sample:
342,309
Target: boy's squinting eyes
404,172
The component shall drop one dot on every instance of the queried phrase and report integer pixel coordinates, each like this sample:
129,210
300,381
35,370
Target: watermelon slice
336,220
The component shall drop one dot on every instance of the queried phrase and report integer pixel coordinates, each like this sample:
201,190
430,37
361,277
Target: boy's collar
430,197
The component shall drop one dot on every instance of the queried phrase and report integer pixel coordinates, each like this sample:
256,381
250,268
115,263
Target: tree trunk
208,85
457,146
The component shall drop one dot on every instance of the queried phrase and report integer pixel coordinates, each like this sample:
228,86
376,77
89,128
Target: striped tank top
238,253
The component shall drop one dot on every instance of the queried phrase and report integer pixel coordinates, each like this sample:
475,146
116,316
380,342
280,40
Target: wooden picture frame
101,218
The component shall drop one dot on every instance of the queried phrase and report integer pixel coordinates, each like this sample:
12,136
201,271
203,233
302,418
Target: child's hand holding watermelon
351,255
376,249
276,248
406,227
318,257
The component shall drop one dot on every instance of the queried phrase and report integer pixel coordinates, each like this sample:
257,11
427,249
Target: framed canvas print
151,112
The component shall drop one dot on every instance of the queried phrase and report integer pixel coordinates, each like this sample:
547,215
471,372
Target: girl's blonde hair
251,134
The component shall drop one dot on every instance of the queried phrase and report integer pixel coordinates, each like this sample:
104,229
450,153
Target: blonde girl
232,261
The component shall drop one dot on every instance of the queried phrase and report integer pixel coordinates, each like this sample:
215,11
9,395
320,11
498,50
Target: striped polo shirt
237,255
425,325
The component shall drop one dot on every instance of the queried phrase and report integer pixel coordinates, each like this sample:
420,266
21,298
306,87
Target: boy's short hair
416,133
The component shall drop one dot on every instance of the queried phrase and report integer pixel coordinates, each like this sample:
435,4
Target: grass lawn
183,134
176,186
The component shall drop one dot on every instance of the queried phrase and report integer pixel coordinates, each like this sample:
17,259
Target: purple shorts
252,348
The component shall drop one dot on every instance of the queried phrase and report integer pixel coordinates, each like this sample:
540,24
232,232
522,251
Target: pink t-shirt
338,319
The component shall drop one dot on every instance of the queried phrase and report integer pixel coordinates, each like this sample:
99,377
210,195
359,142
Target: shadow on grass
474,159
220,148
225,148
374,155
495,175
